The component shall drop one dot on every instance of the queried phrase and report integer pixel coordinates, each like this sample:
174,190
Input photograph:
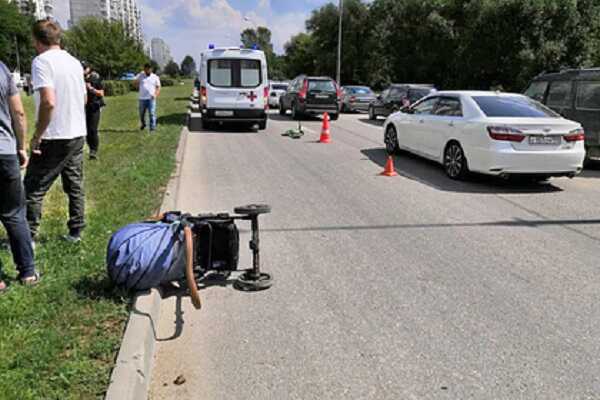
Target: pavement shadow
430,173
377,122
288,118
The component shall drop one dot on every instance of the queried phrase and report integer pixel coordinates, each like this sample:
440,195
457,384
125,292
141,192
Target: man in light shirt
57,144
149,87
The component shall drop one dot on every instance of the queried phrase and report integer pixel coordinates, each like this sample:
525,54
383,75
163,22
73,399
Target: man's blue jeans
13,215
150,106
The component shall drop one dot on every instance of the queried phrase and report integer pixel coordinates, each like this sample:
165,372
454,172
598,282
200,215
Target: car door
378,104
560,97
446,122
587,110
393,102
418,123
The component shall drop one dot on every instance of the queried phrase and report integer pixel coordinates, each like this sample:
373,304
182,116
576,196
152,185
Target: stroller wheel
253,209
247,282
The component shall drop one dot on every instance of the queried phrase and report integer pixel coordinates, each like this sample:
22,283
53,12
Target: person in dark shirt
95,102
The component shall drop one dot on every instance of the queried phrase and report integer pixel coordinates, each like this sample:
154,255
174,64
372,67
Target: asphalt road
413,287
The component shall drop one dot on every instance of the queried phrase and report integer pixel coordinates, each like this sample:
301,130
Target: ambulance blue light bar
211,46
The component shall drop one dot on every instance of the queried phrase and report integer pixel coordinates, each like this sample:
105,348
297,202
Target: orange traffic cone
389,168
325,137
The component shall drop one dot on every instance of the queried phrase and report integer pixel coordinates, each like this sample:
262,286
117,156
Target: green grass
60,339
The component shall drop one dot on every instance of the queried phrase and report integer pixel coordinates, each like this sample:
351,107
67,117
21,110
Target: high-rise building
39,9
124,11
160,52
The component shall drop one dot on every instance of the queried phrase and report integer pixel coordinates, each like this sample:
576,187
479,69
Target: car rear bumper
507,161
317,109
239,115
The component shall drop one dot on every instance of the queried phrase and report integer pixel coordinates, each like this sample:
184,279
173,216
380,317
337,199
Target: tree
188,66
299,57
15,34
261,38
106,46
155,67
172,69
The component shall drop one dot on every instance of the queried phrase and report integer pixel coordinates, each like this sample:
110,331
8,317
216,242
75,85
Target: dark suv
308,95
396,97
575,94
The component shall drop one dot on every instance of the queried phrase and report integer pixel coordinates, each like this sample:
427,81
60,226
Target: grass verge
59,340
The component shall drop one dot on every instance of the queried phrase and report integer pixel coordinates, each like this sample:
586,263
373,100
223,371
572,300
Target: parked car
277,89
575,94
492,133
128,76
356,98
234,86
311,95
396,97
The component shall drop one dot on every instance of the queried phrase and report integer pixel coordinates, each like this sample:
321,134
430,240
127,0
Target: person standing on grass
57,144
13,156
148,84
95,102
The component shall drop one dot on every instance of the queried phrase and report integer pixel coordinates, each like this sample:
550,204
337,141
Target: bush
167,82
116,88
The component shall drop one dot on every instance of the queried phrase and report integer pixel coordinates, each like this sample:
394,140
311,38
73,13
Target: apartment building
160,52
40,9
124,11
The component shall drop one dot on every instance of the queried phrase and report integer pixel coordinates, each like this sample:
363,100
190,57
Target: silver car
356,98
275,92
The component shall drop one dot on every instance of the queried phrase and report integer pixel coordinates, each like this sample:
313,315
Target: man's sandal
32,280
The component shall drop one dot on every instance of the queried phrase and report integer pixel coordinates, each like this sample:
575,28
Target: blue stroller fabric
145,255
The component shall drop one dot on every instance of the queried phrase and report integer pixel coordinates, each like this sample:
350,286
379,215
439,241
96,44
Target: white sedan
492,133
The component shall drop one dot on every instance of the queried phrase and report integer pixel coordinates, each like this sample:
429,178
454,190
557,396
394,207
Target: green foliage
167,82
262,38
106,46
451,43
155,67
172,69
117,88
15,31
188,67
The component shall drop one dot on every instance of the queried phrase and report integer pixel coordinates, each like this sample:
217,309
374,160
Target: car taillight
266,94
304,91
203,93
576,135
505,133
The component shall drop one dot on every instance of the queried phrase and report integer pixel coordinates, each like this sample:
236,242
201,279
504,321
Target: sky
188,26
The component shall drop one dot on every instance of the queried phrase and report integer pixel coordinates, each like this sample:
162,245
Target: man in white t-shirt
57,144
148,84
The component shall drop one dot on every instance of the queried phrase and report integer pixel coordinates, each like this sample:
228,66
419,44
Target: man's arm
47,104
19,120
157,87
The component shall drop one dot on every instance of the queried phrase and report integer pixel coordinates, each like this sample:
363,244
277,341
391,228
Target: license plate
322,96
223,113
544,140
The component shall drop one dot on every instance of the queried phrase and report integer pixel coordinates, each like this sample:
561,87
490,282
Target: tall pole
18,58
339,52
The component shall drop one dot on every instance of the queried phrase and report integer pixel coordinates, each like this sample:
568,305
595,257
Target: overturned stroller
187,247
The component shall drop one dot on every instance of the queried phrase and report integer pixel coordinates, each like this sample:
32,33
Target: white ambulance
234,86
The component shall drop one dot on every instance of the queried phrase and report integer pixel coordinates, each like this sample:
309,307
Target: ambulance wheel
253,209
249,283
207,125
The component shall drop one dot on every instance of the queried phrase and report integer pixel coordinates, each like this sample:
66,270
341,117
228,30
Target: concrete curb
130,379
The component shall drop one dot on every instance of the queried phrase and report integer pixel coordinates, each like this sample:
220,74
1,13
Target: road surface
413,287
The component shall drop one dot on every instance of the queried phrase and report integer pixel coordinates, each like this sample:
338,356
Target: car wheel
334,117
207,125
391,140
281,109
455,162
262,125
372,115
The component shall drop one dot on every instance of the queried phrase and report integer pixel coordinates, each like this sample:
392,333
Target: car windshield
417,94
360,90
279,87
323,86
513,107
